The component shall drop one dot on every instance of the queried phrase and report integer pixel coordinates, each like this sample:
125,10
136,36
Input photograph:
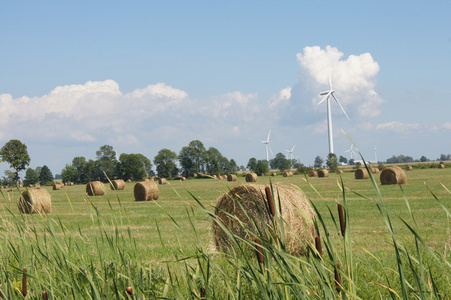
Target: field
110,242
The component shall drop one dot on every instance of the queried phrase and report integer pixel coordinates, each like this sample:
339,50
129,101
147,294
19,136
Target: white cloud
397,126
447,125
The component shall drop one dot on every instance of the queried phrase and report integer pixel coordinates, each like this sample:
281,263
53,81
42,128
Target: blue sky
147,75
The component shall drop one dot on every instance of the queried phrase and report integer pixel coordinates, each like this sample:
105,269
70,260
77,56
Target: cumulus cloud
397,126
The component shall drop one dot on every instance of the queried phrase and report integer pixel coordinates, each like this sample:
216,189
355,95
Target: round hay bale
162,181
183,178
312,174
299,230
441,166
231,177
273,174
251,177
287,174
393,175
374,170
409,168
219,177
129,180
30,185
35,201
339,171
61,185
146,191
117,184
95,188
56,186
323,173
361,174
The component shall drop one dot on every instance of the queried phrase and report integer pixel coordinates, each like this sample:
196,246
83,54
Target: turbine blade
293,148
330,80
338,102
325,97
269,133
270,150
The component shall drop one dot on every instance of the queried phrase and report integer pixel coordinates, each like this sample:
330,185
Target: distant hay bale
287,174
441,166
231,177
374,170
30,185
129,180
296,211
251,177
312,174
38,186
219,177
393,175
273,174
361,174
117,184
146,191
182,178
409,168
95,188
56,186
162,181
61,185
35,201
323,173
339,171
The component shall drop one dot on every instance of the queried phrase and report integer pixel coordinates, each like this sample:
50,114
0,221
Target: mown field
113,229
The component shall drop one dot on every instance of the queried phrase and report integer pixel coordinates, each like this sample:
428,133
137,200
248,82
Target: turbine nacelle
327,92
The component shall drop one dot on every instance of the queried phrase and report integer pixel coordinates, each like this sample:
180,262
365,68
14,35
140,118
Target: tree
134,166
343,159
79,163
423,158
233,167
45,177
9,178
400,159
31,177
192,158
69,174
15,153
165,163
332,162
318,162
444,157
280,162
106,160
213,159
261,167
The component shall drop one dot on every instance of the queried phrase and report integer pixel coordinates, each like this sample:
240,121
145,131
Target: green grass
89,247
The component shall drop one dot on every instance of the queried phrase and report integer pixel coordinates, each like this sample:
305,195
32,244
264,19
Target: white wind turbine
351,151
327,95
291,155
375,154
268,147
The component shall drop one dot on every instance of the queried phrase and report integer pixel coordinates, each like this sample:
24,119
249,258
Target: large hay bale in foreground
312,174
251,177
393,175
95,188
409,168
299,230
35,201
146,191
231,177
361,174
117,184
323,173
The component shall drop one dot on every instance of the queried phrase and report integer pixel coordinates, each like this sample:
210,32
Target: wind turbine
351,151
327,95
375,154
268,147
291,155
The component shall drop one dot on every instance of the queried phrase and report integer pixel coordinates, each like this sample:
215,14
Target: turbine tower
268,147
327,95
291,155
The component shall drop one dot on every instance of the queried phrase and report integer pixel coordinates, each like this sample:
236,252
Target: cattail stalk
44,295
342,219
318,245
202,293
259,251
130,292
337,277
272,210
24,282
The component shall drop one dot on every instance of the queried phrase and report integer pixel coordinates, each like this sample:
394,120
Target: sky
146,75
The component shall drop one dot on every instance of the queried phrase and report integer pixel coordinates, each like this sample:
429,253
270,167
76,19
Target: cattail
259,251
337,277
318,245
202,293
270,201
130,292
342,219
44,295
24,282
1,294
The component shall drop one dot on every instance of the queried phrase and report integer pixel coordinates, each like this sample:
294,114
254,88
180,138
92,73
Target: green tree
45,177
134,166
343,159
252,164
69,174
280,162
15,153
233,167
261,167
318,162
213,161
106,161
31,177
423,158
79,163
332,162
192,158
9,178
165,163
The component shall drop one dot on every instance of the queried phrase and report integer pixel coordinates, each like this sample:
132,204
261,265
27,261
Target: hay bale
339,171
129,180
361,174
95,188
374,170
231,177
299,231
287,174
56,186
117,184
393,175
273,174
251,177
219,177
162,181
441,166
409,168
146,191
312,174
61,185
183,178
35,201
323,173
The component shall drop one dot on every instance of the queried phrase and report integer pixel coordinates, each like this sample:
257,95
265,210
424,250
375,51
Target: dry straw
361,174
409,168
95,188
339,171
441,166
162,181
299,227
35,201
273,174
374,170
312,174
251,177
56,186
117,184
231,177
323,173
393,175
287,174
146,191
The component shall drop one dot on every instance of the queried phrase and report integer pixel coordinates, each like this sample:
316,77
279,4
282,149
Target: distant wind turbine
351,151
375,154
327,95
291,155
268,147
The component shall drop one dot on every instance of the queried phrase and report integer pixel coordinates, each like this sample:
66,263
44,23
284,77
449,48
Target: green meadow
398,242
